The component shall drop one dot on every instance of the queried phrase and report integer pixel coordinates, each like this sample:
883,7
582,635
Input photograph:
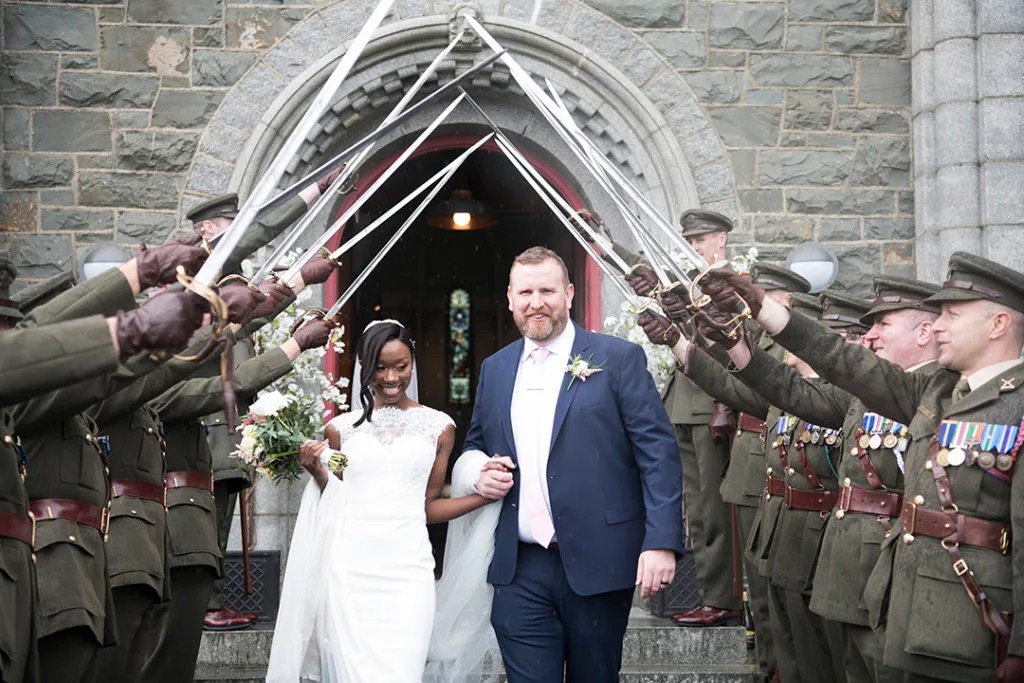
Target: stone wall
104,105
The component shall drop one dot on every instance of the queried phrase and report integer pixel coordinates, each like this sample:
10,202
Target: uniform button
840,514
791,471
134,512
918,500
769,470
847,482
72,538
8,439
191,500
908,539
149,430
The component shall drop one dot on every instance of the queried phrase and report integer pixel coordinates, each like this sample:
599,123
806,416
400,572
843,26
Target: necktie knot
961,389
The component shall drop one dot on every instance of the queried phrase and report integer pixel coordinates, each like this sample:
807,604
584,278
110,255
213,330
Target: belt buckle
787,496
768,486
960,567
32,518
913,518
105,521
1004,541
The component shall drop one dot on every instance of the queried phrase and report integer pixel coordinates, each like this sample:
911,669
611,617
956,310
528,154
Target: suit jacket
614,477
933,628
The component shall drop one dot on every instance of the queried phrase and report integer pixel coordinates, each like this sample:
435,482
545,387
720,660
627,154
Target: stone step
653,651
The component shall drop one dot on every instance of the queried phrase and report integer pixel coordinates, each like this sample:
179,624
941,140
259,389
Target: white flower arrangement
660,360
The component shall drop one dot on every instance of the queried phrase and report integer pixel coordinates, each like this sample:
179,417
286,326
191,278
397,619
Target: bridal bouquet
277,424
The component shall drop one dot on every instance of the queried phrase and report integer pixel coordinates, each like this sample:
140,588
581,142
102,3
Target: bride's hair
375,336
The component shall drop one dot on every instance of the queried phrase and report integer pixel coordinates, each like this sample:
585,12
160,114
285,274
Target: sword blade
369,192
327,196
210,270
339,158
365,273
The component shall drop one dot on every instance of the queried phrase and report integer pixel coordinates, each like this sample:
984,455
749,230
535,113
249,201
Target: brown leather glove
317,269
723,284
712,324
313,334
326,181
642,279
658,328
1011,670
723,423
676,304
158,266
275,292
241,300
165,322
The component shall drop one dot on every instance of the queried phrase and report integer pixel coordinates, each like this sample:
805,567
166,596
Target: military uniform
195,550
923,585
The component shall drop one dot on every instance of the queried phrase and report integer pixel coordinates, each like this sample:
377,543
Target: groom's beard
540,330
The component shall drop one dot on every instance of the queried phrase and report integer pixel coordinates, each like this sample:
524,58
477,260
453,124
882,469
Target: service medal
890,441
815,437
831,439
956,457
875,441
864,440
1004,462
942,457
805,437
777,442
986,460
903,443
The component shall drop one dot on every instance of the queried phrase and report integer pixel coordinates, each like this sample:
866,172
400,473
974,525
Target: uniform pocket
937,596
194,529
70,568
13,566
136,543
876,590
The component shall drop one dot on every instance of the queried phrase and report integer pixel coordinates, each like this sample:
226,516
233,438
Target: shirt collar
979,377
559,346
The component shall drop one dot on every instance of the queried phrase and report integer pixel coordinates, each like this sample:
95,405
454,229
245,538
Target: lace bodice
390,458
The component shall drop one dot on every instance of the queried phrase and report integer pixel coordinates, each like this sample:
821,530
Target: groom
585,458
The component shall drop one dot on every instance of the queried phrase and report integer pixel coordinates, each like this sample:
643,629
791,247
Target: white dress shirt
534,398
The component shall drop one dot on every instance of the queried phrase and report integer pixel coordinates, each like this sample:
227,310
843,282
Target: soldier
947,576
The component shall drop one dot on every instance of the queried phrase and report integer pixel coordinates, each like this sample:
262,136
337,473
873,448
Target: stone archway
639,111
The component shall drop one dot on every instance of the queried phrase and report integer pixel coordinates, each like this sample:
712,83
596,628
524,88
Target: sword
362,198
446,174
210,270
358,237
300,226
339,158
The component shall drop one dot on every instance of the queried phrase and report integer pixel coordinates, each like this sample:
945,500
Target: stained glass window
459,345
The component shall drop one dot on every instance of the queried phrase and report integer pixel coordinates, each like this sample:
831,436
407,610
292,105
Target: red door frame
592,274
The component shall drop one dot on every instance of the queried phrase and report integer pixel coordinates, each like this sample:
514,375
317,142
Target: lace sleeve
443,420
343,423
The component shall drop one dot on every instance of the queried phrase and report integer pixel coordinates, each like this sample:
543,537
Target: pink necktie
541,526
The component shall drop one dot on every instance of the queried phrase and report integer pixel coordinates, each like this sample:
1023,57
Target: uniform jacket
933,628
614,476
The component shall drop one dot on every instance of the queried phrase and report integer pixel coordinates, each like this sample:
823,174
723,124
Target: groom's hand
654,571
495,480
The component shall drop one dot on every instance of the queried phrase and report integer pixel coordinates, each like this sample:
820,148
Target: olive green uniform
933,628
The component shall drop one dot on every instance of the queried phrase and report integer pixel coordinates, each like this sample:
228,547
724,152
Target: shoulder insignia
1006,384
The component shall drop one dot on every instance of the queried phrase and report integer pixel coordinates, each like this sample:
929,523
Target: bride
358,601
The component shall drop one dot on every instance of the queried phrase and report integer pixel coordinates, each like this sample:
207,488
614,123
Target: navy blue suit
615,487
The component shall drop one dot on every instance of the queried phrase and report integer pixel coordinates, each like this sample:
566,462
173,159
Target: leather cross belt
749,423
818,500
133,488
975,531
18,527
774,486
189,479
854,499
72,510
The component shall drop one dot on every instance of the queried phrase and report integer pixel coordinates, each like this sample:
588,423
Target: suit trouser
708,517
546,631
863,657
136,635
802,645
225,498
179,625
757,594
68,656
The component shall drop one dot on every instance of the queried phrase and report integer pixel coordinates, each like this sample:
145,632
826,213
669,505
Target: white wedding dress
358,599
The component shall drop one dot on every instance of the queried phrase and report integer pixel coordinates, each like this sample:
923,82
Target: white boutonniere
581,368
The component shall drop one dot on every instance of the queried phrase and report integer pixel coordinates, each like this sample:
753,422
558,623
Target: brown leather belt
749,423
818,500
189,479
138,489
854,499
18,527
975,531
72,510
774,486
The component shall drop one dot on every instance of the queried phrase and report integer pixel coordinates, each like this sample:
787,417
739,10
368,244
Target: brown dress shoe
227,620
707,616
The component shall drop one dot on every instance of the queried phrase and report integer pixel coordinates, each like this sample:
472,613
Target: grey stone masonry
968,131
793,114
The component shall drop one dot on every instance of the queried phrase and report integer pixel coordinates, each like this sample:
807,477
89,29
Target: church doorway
448,286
